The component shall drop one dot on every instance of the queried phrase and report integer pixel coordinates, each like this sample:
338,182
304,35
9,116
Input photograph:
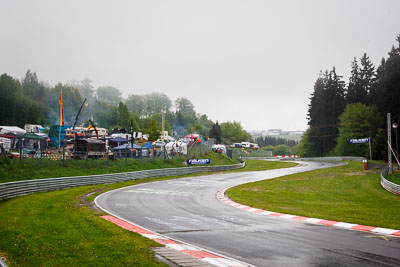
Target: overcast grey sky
250,61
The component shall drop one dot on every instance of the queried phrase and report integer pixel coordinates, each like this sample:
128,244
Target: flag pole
59,127
60,101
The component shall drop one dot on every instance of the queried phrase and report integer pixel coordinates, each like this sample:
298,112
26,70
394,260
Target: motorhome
246,144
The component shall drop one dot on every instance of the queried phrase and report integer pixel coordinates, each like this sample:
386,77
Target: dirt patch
255,189
356,174
84,202
376,166
328,174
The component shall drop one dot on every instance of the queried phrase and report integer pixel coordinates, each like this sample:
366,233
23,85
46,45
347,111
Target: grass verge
59,228
31,168
263,165
342,193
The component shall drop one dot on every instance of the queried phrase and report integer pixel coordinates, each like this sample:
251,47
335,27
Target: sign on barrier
198,161
359,141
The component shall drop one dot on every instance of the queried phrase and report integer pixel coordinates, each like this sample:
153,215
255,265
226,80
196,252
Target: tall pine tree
391,84
367,77
361,81
354,94
327,103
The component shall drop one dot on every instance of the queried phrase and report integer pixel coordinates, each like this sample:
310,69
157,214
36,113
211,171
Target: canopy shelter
57,133
34,141
148,145
31,141
11,129
192,138
127,150
117,141
34,136
10,135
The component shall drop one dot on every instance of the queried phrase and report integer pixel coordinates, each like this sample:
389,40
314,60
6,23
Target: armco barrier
311,159
360,159
2,263
20,188
389,186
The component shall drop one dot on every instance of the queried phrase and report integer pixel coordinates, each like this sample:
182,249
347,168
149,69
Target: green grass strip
56,229
31,168
342,193
263,165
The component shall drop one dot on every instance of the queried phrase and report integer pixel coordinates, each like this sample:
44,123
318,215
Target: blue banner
198,161
359,141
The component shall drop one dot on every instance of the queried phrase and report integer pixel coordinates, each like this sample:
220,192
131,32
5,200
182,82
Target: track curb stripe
181,247
343,225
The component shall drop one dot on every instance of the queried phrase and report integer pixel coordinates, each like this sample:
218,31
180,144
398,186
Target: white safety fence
389,186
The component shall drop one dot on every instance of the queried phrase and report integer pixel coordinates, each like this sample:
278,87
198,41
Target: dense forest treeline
339,112
274,141
28,101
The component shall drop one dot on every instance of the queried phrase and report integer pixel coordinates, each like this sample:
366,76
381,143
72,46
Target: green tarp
33,136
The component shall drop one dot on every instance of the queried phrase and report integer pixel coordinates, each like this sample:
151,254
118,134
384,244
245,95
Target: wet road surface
187,210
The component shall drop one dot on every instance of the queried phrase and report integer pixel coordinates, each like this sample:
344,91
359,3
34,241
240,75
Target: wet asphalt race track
187,210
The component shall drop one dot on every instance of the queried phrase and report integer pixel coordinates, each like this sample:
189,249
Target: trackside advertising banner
198,161
359,141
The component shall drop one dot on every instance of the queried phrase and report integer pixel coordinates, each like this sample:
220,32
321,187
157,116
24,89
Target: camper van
33,128
246,144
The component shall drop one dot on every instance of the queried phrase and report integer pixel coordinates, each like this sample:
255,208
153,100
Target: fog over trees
28,101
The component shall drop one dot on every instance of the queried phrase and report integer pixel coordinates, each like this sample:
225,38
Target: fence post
63,158
41,151
20,150
126,155
107,158
87,155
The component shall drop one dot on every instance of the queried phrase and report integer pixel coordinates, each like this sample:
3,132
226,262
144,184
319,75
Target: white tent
11,129
177,146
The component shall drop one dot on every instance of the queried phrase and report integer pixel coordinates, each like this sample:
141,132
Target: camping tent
176,147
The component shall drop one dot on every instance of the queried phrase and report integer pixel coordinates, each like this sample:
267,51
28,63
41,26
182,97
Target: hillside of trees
339,111
274,141
29,101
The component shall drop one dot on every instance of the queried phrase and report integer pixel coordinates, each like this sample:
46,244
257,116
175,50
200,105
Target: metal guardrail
334,159
20,188
389,186
312,159
2,263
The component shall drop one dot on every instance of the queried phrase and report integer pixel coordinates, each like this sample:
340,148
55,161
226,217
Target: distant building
274,132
